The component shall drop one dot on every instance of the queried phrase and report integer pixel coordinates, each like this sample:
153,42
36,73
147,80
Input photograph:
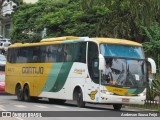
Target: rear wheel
19,93
117,106
80,102
27,94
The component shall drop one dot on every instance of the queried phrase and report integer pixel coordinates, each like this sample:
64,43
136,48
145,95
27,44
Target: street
10,103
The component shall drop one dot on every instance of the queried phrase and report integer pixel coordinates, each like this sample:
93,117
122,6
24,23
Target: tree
150,95
103,18
18,2
34,15
60,18
156,86
151,46
124,17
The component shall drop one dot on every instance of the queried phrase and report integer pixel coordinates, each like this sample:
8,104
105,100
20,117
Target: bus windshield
125,72
125,66
121,51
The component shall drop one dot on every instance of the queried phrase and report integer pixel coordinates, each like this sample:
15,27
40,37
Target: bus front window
125,66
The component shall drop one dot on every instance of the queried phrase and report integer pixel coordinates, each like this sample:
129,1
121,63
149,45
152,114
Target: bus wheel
117,106
80,102
19,93
26,93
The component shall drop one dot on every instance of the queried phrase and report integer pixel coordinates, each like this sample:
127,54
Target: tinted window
75,52
93,61
122,51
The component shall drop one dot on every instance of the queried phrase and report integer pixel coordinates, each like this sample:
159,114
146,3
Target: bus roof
60,39
71,39
116,41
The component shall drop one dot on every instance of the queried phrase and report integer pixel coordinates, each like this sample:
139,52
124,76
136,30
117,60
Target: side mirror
102,62
153,65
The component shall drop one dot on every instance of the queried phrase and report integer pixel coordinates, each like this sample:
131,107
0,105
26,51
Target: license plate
125,100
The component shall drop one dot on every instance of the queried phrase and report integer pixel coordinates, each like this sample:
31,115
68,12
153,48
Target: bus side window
36,54
93,61
12,55
68,52
61,56
21,56
82,51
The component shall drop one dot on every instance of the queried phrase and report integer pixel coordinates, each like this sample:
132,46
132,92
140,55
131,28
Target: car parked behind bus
4,47
2,83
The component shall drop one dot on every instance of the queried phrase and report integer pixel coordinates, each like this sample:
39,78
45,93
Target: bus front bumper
115,99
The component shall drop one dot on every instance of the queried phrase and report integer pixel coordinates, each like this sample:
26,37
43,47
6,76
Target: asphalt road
69,110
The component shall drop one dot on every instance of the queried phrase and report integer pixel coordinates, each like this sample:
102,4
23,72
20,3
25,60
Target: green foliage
125,17
152,49
18,2
103,18
156,86
150,95
60,19
32,18
152,44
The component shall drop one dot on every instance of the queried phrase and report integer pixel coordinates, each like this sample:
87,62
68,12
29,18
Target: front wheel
19,93
117,107
80,102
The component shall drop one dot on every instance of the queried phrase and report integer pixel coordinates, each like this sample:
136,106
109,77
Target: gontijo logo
78,71
32,70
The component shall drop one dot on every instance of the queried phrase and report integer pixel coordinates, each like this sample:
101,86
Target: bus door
92,80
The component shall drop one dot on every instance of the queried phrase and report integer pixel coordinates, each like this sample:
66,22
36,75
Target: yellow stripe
119,91
78,73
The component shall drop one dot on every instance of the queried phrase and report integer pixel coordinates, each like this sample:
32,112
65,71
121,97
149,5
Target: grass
148,106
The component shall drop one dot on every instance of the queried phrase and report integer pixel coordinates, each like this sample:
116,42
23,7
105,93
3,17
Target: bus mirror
101,62
153,65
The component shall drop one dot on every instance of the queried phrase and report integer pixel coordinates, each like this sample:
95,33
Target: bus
87,70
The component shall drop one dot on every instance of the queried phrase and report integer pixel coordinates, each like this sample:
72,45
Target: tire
26,93
19,93
117,107
80,102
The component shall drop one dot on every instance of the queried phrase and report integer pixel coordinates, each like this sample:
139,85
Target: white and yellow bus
94,70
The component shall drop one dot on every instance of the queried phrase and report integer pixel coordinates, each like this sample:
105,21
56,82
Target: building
7,8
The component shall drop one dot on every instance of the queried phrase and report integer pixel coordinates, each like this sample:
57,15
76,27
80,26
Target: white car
4,47
2,62
5,40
